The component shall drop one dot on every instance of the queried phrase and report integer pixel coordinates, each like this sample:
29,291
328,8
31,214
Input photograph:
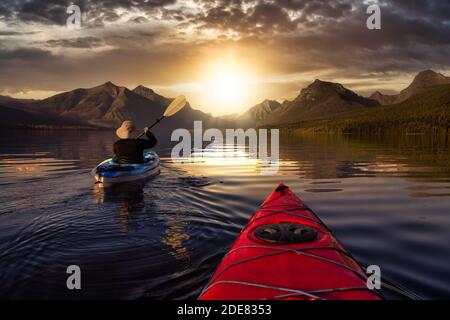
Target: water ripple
163,239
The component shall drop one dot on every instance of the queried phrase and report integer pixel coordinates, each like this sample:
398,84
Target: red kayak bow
287,252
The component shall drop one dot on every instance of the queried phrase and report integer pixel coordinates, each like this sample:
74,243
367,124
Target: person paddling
131,150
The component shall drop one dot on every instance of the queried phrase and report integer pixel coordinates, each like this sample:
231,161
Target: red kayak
286,252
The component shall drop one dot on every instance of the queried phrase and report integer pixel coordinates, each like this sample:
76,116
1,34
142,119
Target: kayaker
130,150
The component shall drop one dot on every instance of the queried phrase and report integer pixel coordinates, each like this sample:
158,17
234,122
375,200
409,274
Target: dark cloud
54,11
4,12
140,19
270,16
324,8
262,18
424,9
22,55
82,42
15,33
299,35
406,42
43,11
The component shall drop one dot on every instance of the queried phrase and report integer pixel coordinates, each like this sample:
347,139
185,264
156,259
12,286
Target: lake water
387,200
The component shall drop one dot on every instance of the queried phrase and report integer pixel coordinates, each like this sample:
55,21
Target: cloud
54,11
15,33
82,42
324,8
145,41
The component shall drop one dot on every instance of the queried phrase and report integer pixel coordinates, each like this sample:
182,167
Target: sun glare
227,88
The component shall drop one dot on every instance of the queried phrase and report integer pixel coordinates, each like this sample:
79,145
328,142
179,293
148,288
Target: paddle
175,106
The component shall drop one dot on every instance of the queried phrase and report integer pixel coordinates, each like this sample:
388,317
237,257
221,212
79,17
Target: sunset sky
225,56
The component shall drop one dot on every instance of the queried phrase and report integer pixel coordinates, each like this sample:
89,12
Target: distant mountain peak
429,72
108,87
143,88
383,99
106,105
376,93
320,83
323,83
320,99
326,85
15,102
424,80
264,107
150,94
428,78
268,104
319,90
258,112
109,84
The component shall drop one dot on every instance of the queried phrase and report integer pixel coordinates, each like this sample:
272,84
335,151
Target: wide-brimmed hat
125,129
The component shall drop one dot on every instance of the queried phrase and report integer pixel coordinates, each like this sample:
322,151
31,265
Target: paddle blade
175,106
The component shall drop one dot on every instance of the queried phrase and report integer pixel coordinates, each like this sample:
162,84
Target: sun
227,88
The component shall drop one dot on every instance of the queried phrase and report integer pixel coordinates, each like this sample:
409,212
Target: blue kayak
109,171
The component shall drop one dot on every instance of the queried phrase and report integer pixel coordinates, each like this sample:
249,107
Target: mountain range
327,100
425,113
318,100
104,106
257,114
424,81
107,105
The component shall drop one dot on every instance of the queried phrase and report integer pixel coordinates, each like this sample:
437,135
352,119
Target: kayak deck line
287,250
286,247
293,292
302,251
291,213
296,291
328,291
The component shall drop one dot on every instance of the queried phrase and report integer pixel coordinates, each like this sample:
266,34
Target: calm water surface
388,201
